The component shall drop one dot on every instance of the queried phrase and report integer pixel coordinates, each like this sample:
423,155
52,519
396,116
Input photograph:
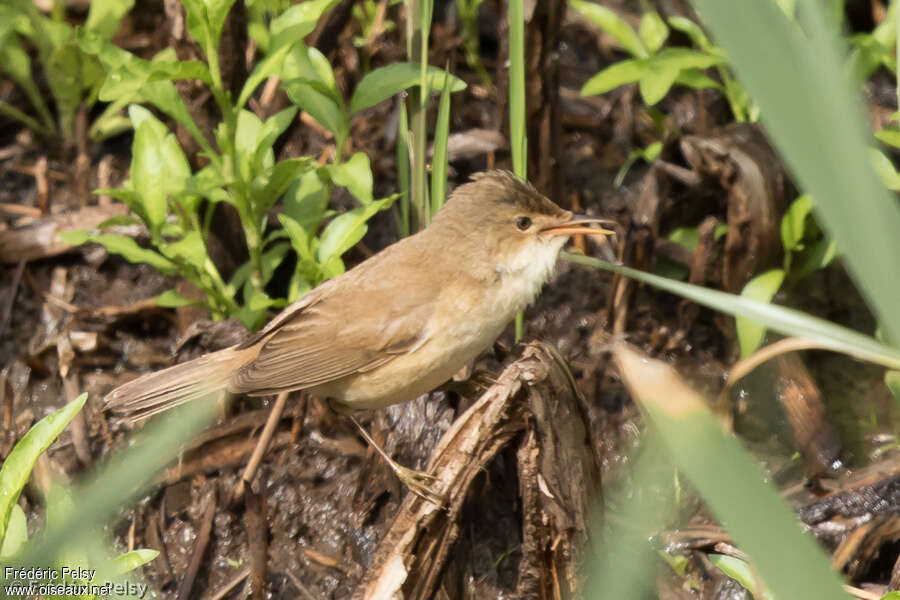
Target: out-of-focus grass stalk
123,478
439,159
789,561
814,119
518,139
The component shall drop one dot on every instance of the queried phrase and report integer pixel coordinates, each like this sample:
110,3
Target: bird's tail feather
157,392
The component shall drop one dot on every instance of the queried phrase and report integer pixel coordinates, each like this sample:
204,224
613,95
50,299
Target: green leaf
382,83
298,237
268,66
344,231
686,58
817,256
884,168
892,381
793,223
16,533
272,129
891,137
354,174
75,237
740,496
248,133
693,31
158,166
612,24
786,321
17,467
620,73
761,288
440,160
688,237
653,31
305,201
740,571
128,249
172,299
271,258
190,248
280,177
822,142
104,16
298,21
205,19
125,563
309,82
657,80
695,79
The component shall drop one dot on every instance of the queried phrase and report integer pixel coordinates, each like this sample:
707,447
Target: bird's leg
418,482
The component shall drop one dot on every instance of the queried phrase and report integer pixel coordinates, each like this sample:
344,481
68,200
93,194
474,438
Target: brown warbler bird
398,324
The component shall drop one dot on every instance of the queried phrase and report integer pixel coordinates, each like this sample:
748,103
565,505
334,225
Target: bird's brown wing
351,325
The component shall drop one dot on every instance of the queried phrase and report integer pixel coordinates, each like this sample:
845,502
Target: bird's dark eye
523,223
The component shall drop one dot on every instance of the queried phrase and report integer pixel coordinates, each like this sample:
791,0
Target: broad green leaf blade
354,174
790,562
382,83
823,142
17,467
761,288
620,73
787,321
612,24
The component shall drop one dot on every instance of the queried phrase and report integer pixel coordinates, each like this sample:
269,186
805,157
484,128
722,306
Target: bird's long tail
157,392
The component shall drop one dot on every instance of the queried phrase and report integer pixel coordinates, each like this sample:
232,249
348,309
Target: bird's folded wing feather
345,329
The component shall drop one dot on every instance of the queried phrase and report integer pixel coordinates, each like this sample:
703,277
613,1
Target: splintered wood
535,409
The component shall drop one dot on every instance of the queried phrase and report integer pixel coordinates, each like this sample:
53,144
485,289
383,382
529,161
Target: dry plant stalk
534,406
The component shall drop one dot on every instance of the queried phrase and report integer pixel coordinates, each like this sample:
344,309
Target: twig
10,301
242,575
299,585
184,590
261,446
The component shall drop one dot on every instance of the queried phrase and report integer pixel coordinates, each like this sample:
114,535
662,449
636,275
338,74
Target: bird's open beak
579,224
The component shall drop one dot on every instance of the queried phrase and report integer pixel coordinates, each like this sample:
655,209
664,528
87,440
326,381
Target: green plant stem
31,123
417,49
518,139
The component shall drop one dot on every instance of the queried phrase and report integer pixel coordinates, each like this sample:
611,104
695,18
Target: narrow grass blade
517,135
789,562
439,159
786,321
403,172
813,116
18,464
